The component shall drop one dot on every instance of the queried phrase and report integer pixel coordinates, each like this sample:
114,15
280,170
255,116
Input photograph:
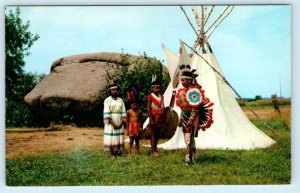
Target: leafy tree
18,41
140,77
258,97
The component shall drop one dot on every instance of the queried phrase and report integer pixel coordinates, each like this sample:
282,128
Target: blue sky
252,45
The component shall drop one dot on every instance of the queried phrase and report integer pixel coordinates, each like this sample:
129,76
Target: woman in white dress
114,116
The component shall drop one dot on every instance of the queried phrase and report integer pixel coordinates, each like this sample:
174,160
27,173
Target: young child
156,113
134,122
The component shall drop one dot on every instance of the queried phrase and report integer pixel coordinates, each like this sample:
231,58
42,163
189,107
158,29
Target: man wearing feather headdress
195,111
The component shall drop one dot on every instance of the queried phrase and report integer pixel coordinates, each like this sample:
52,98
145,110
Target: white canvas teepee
231,128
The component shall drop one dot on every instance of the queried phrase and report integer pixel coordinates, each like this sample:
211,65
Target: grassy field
74,156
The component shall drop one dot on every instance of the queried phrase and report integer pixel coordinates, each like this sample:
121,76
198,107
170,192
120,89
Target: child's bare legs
154,141
137,146
130,146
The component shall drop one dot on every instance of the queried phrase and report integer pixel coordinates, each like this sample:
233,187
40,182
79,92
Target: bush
258,97
140,77
18,114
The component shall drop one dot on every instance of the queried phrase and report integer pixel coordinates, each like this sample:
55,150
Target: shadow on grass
211,159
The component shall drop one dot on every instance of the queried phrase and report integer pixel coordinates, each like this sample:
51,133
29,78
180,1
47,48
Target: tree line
18,41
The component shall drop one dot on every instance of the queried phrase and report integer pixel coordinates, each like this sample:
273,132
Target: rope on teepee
224,79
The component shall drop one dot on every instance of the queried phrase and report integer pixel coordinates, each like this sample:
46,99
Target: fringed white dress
114,109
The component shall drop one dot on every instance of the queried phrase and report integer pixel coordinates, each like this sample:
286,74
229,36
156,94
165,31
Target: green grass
93,166
276,124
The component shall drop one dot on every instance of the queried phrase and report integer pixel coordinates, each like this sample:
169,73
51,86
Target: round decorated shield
194,96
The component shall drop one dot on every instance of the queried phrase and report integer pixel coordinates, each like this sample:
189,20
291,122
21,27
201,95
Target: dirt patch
268,113
20,143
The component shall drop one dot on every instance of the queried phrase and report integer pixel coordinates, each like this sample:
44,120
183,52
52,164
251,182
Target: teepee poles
188,19
194,9
224,79
211,10
202,39
219,22
200,36
196,42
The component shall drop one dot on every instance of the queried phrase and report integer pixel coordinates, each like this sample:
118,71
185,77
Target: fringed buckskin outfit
114,109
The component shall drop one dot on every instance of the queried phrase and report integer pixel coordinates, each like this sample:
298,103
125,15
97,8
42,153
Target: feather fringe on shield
203,106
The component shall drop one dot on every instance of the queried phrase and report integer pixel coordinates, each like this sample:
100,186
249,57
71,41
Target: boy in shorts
134,123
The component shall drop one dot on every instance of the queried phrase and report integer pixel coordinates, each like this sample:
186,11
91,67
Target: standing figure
156,113
134,122
114,116
195,112
275,103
